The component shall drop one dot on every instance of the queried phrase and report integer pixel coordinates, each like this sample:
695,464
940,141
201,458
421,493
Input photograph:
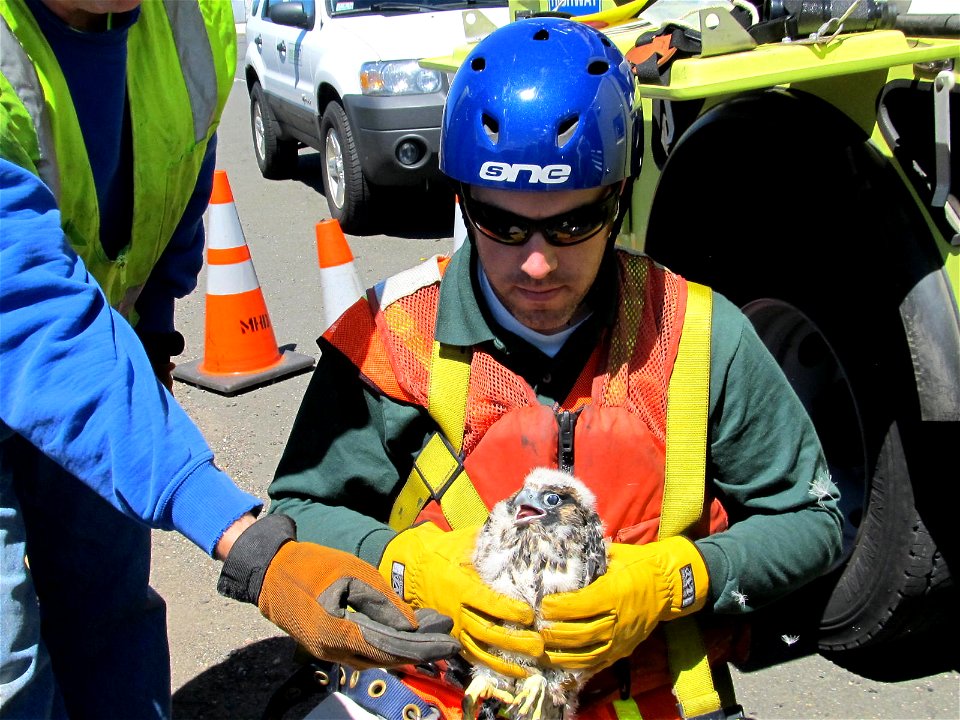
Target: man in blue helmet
538,343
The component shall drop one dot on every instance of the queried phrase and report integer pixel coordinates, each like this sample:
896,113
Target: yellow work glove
594,627
430,568
334,604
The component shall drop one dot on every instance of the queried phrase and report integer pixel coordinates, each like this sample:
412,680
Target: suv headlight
398,77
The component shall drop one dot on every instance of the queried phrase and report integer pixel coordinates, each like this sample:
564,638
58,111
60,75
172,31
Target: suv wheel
348,192
276,158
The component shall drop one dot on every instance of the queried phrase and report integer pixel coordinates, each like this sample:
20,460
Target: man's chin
545,322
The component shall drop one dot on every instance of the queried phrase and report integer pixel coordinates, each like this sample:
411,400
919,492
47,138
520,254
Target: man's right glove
644,584
431,568
305,589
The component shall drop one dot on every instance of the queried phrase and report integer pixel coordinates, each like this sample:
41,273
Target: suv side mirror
290,13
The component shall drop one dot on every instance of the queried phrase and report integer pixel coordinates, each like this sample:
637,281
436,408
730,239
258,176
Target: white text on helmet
548,174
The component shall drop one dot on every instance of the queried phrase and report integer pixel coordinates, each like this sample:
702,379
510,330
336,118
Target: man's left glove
305,589
643,586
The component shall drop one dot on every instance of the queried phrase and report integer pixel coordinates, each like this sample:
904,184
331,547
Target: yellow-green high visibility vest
181,58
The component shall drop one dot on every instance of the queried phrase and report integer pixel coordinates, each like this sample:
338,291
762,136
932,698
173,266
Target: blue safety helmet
540,104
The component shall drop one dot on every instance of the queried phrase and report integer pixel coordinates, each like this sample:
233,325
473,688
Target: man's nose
541,257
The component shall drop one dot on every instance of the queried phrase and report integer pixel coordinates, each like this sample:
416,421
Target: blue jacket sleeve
175,274
75,382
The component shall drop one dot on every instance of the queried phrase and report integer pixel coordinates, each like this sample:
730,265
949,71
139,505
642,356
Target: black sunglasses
569,228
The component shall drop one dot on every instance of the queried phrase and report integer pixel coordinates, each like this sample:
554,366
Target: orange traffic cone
240,349
459,228
339,282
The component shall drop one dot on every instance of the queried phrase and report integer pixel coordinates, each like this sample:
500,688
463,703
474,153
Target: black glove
160,348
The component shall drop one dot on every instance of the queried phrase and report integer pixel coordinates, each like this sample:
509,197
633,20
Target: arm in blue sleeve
75,382
175,274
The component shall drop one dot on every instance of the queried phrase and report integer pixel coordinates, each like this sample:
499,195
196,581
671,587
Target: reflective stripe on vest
438,472
683,491
179,55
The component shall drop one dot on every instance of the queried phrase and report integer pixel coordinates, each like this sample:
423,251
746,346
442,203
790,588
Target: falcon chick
545,538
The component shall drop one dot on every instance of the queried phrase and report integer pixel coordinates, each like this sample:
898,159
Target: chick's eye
551,499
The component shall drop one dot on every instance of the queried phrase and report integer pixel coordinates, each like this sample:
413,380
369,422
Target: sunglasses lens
576,226
497,224
567,229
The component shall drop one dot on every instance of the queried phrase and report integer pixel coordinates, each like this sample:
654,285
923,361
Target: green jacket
351,447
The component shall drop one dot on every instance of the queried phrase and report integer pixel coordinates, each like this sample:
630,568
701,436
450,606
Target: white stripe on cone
226,220
340,288
231,279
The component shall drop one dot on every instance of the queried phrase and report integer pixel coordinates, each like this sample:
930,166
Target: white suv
342,76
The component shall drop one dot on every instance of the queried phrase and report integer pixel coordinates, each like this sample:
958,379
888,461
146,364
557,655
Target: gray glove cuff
245,567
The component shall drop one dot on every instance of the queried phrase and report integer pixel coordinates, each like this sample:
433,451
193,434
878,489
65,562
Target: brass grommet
354,678
377,688
343,676
321,677
411,712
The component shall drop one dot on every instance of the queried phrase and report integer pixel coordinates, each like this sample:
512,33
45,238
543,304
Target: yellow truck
797,158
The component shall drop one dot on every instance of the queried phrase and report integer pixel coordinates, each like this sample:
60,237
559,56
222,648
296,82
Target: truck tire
276,158
347,190
818,242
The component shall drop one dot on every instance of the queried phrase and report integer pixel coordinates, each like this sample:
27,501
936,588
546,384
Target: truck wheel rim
334,158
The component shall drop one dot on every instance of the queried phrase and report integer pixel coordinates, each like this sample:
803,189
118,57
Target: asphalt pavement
226,659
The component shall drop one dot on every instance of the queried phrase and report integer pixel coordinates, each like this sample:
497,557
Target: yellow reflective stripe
683,492
447,398
434,466
687,401
437,473
461,504
627,710
693,683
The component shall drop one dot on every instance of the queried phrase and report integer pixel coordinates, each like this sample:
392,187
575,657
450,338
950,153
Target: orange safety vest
610,431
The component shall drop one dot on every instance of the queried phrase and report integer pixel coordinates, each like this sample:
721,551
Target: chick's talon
532,695
481,689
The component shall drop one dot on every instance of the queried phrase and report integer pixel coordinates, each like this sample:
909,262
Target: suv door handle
258,41
282,47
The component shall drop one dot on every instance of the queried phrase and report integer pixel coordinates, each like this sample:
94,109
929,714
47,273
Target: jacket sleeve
76,383
769,471
348,451
175,274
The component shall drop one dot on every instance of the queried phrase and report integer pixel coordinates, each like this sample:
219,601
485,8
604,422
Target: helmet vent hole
566,130
478,64
492,128
598,67
541,34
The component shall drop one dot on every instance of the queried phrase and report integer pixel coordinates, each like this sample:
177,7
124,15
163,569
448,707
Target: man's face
89,14
542,285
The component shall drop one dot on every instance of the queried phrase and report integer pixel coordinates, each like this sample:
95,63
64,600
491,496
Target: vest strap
438,472
447,399
684,491
689,397
627,709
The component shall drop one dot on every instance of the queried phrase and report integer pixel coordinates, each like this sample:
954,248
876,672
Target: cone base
290,362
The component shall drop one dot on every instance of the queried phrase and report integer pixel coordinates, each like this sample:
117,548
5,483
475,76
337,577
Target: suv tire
348,192
276,158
